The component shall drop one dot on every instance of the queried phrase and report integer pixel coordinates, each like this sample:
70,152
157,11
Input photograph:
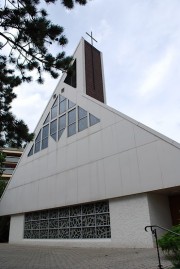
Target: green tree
25,32
3,182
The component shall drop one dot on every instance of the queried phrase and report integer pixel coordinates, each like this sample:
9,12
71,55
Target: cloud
103,31
156,73
32,99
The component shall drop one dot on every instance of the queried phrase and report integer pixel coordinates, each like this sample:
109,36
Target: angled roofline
135,122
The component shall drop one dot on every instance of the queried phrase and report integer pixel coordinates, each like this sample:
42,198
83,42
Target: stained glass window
38,142
45,133
72,122
93,120
82,119
61,125
31,151
53,129
54,109
72,117
83,221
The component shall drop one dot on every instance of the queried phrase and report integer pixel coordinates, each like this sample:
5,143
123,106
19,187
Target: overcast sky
140,41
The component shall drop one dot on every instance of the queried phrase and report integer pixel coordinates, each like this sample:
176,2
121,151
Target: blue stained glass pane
31,151
47,119
62,106
37,147
38,138
82,124
70,104
93,120
61,98
55,103
53,127
62,122
81,113
72,116
54,136
45,131
44,143
72,129
60,133
53,112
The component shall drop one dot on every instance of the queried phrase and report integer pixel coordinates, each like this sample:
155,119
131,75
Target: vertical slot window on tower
82,119
53,129
54,109
62,104
38,142
45,133
72,122
61,125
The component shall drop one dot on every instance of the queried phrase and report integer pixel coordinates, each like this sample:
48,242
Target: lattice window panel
86,221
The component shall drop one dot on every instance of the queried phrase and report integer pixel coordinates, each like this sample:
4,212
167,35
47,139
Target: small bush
170,245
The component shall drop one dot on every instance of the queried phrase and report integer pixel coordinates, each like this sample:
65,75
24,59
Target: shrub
170,245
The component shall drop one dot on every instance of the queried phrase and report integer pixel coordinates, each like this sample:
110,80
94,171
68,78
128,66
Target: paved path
41,257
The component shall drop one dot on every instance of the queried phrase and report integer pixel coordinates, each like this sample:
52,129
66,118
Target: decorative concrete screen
84,221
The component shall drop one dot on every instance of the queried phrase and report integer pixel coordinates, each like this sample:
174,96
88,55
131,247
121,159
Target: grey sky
140,41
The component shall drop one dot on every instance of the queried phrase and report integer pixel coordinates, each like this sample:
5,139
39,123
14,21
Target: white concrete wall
16,228
159,211
129,215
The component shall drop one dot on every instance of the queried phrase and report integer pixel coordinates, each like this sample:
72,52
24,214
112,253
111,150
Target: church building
92,176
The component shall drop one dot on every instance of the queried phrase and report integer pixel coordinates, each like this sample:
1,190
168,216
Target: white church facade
92,176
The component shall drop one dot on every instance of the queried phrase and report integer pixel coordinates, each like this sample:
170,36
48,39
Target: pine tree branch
21,47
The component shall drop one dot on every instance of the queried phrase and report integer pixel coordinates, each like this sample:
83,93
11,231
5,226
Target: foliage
4,228
26,31
2,159
170,245
25,39
3,184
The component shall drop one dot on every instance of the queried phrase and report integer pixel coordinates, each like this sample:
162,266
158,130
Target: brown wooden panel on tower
93,71
174,202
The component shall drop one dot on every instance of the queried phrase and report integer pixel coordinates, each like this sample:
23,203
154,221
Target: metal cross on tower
92,38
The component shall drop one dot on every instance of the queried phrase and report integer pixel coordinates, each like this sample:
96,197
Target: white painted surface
159,211
129,215
16,229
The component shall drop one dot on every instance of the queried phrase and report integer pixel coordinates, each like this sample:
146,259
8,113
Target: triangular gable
95,153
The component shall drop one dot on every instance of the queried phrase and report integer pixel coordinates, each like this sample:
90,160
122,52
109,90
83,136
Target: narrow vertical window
54,109
53,129
38,142
72,122
45,132
82,119
47,119
31,151
62,104
70,104
61,125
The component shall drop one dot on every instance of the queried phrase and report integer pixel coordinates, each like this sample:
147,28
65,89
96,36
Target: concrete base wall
128,215
159,211
16,228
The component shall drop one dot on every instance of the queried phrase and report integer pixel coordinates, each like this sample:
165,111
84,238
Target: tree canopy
25,38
